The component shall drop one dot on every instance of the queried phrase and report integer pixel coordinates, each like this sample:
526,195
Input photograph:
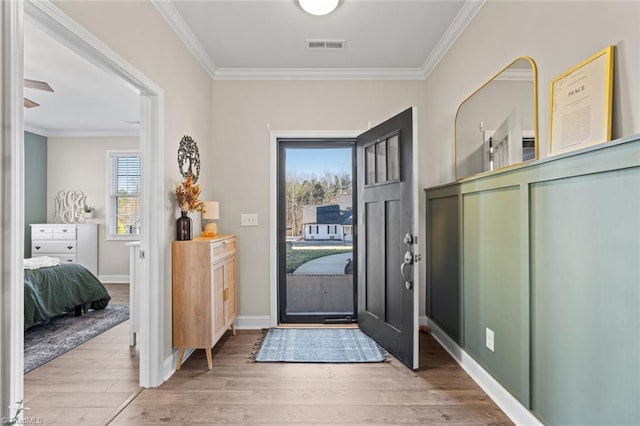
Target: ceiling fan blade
35,84
28,103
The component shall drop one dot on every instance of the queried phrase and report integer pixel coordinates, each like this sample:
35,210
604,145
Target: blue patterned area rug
331,345
46,341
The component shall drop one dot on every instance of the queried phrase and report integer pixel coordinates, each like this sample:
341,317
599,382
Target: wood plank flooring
97,383
237,391
89,384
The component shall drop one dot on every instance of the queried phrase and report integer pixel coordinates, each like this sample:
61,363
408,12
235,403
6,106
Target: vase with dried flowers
188,197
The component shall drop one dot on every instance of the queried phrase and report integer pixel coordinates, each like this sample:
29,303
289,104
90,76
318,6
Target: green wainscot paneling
550,261
586,299
495,296
443,258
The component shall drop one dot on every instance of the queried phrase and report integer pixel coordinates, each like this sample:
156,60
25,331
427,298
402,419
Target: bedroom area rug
47,341
319,345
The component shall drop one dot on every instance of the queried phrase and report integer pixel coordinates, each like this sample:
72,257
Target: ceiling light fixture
318,7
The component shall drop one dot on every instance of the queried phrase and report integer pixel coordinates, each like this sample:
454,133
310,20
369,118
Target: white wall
242,111
558,36
138,33
81,164
235,152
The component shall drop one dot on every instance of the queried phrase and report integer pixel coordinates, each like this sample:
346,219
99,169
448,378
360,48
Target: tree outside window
124,204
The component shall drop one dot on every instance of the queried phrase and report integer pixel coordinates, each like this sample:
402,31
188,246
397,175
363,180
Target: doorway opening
62,28
316,244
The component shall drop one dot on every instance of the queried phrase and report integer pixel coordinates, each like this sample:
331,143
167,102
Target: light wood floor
238,391
89,384
96,384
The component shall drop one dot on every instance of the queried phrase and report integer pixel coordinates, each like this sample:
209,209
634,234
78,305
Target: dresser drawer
41,233
64,258
64,232
53,247
222,249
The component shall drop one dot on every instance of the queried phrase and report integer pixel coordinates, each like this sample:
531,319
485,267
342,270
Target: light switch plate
249,219
489,339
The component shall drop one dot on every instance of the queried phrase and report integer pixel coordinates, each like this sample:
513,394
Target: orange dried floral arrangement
188,195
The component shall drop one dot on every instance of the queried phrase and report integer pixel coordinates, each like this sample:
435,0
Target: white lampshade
211,210
318,7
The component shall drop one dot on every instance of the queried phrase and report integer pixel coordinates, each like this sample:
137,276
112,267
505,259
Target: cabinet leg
209,358
233,329
180,355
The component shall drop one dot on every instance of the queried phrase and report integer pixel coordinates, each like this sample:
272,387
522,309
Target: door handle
408,260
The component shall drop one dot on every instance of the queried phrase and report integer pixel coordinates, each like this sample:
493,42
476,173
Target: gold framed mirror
497,125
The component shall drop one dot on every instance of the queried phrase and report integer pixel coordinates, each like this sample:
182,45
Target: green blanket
55,290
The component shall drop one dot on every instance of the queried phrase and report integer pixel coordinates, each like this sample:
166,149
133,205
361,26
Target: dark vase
183,227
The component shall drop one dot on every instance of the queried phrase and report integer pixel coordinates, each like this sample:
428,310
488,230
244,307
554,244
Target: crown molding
460,22
319,74
94,134
82,133
171,15
35,130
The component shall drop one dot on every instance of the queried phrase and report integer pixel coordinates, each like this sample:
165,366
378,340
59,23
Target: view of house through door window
316,227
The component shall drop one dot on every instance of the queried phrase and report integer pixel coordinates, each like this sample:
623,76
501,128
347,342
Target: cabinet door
230,292
217,297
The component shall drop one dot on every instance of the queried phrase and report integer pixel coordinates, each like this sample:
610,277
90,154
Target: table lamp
210,213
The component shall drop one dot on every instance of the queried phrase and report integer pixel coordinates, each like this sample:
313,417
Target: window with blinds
124,194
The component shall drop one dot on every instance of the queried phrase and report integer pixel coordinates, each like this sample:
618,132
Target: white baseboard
252,322
114,279
246,322
423,320
169,365
507,403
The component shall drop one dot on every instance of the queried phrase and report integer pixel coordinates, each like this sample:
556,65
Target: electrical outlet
249,219
489,339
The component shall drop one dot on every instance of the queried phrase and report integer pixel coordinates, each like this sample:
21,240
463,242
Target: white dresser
77,242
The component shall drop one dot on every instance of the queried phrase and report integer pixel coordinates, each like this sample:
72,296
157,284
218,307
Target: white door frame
54,22
274,135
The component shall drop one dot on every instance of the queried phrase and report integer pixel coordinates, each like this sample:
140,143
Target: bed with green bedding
55,290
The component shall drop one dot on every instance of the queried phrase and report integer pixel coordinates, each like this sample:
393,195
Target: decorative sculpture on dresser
68,206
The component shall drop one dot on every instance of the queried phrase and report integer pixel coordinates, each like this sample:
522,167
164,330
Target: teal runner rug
330,345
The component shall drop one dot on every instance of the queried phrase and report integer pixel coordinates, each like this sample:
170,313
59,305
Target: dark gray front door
387,294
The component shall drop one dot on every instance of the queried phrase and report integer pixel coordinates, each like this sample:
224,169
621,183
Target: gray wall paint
35,185
551,262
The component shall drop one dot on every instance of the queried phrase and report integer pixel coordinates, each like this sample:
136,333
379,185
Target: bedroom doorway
315,231
152,237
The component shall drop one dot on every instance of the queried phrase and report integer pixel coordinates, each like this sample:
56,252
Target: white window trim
110,234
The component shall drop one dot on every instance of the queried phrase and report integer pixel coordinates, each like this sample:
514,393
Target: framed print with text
580,104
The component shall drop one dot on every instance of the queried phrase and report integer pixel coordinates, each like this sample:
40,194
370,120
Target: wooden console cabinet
204,292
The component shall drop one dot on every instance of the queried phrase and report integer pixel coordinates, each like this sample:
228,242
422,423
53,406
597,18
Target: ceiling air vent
325,44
